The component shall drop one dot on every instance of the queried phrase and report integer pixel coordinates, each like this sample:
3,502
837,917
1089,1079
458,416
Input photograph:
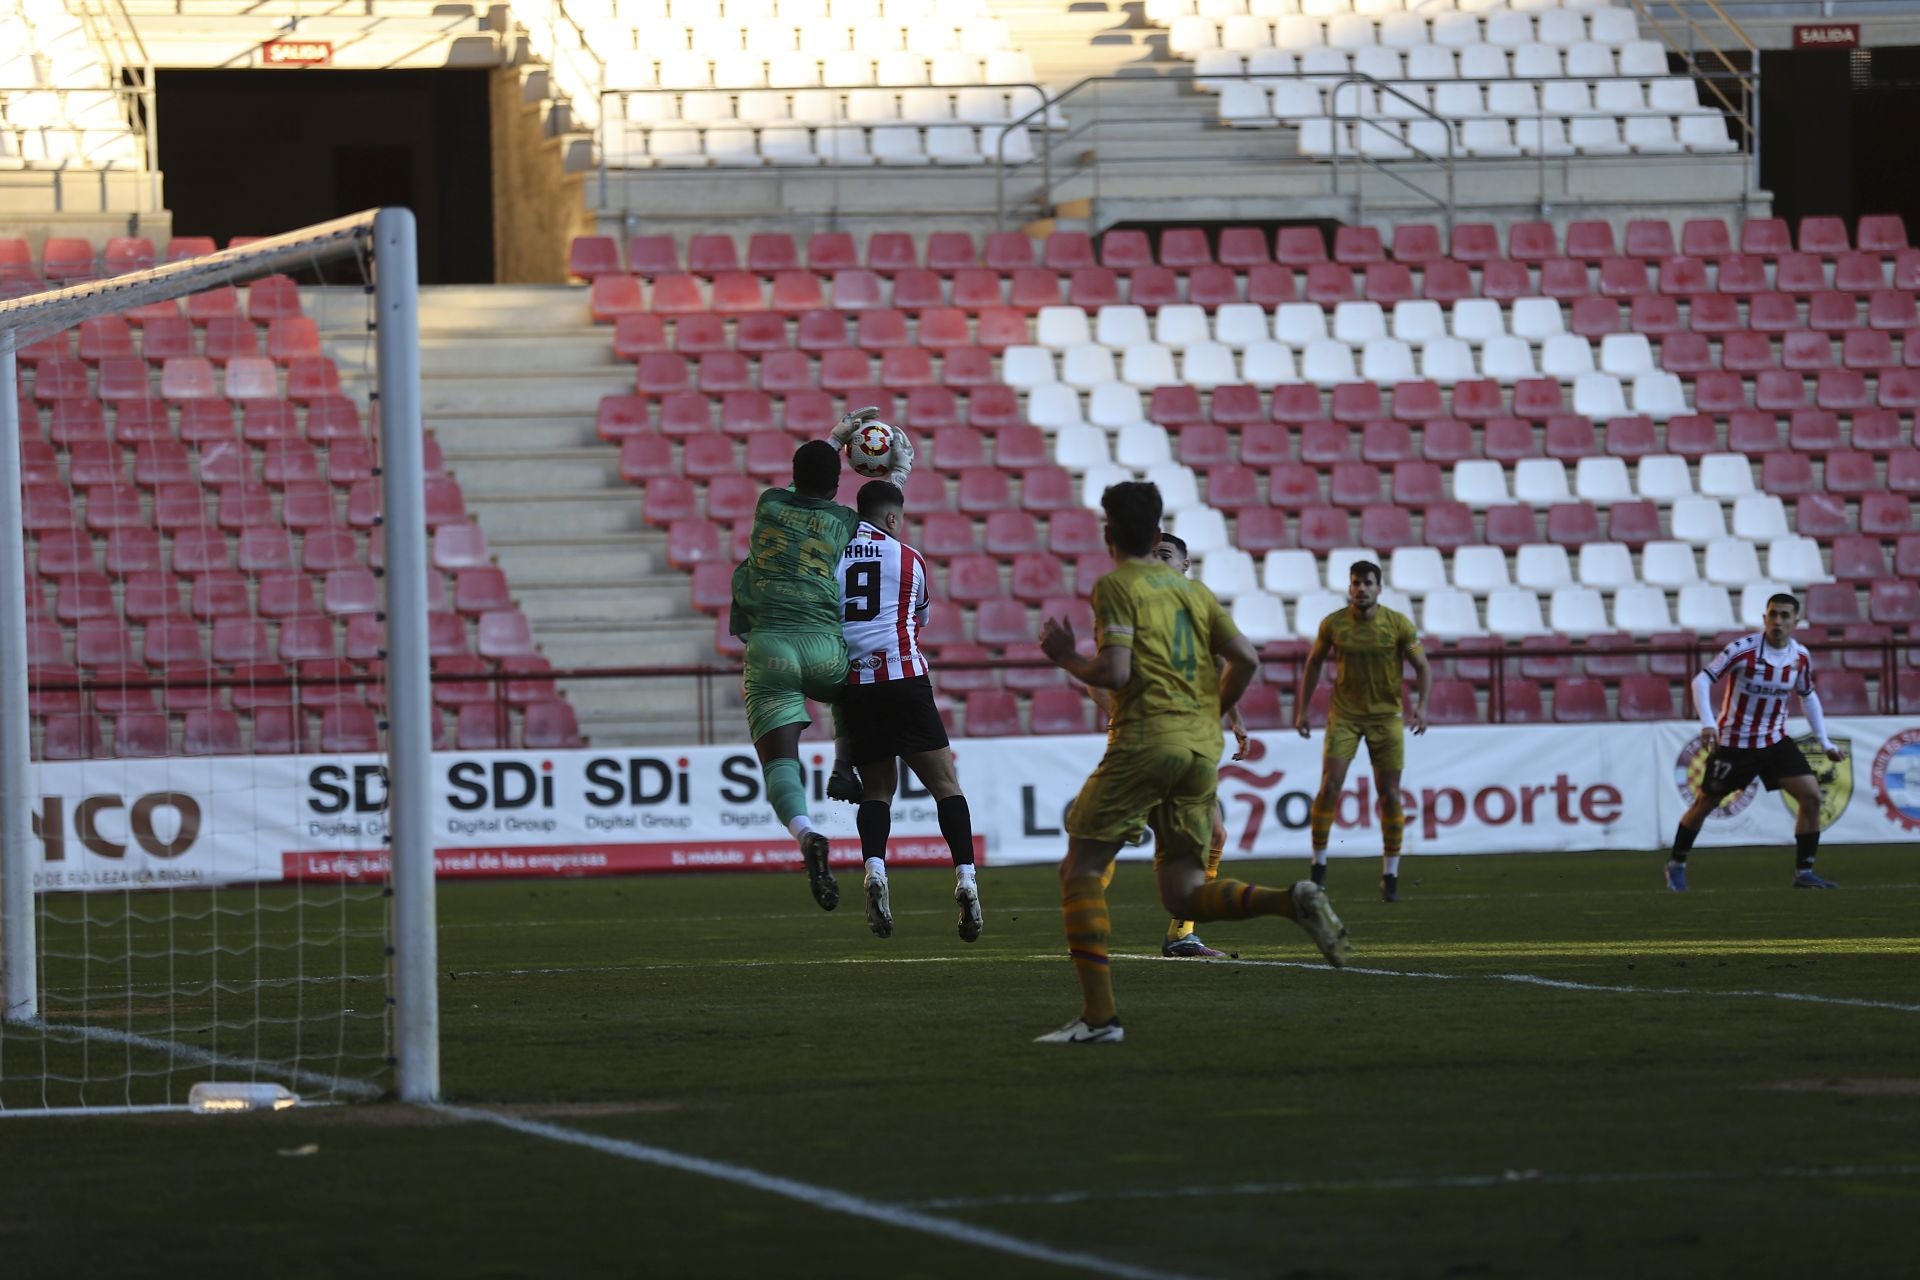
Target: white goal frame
386,239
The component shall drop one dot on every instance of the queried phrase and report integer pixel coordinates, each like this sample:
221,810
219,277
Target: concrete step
444,354
485,476
610,558
665,642
564,602
507,393
486,437
542,514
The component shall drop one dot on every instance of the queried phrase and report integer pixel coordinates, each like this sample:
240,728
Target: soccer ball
870,450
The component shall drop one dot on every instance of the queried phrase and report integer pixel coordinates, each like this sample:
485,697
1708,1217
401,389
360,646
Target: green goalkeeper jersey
789,580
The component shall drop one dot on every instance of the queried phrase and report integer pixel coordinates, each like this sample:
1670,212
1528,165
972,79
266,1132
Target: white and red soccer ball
870,450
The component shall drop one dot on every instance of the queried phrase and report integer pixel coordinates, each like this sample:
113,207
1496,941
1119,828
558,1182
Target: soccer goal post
156,929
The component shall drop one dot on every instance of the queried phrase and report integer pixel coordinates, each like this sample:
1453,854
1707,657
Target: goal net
215,719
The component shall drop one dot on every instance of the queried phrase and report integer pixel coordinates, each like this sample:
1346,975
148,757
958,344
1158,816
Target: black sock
1805,846
1683,838
875,820
1318,872
956,824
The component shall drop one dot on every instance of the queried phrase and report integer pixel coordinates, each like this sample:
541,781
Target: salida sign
1826,35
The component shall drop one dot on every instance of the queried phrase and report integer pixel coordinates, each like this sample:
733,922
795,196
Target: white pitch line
817,1197
1558,984
1466,1182
1521,979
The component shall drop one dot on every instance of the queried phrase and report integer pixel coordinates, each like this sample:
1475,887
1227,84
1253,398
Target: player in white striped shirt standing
887,709
1747,735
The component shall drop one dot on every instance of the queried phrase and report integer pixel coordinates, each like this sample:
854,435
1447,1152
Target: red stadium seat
1705,238
951,251
992,713
795,292
1244,247
1012,533
1269,285
1330,283
1047,489
1036,577
1452,701
1647,697
1323,528
1561,278
550,726
1001,622
1595,317
1074,532
1520,702
1579,700
1181,248
1511,526
1655,316
1894,602
1509,440
1300,246
1448,526
1856,558
1882,233
891,251
1903,471
1060,711
1418,243
1359,246
1623,278
1590,240
1886,514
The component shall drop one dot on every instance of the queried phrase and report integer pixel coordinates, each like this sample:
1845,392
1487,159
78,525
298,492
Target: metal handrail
606,121
1359,186
1091,87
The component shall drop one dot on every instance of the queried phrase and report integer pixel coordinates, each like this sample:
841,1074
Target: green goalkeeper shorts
785,668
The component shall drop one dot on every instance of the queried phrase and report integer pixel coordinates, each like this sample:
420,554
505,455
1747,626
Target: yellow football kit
1163,742
1367,689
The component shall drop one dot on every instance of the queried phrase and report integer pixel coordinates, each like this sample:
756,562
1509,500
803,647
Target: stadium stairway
511,379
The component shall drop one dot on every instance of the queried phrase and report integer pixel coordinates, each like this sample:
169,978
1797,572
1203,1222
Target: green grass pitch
1540,1066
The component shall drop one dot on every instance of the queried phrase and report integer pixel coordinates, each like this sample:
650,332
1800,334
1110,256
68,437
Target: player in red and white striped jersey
887,711
1746,735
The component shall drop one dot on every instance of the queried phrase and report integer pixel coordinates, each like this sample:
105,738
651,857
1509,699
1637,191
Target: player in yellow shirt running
1370,643
1181,942
1157,634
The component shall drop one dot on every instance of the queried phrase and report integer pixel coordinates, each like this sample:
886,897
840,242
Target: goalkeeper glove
851,422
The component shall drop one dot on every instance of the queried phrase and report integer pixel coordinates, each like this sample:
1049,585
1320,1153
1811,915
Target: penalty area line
1557,984
815,1197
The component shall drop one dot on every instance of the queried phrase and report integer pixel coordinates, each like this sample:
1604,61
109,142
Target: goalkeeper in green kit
787,606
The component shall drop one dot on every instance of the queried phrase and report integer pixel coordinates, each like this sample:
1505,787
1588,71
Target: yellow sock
1232,900
1393,825
1106,877
1084,904
1179,929
1320,820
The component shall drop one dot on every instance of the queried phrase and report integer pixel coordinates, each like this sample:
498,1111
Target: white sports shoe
1078,1032
1314,913
879,908
966,896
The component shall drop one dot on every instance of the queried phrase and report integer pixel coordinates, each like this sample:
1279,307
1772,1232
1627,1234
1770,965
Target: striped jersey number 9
863,591
1185,653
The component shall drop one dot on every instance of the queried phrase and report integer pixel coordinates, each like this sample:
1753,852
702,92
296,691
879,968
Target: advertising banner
1871,797
1492,789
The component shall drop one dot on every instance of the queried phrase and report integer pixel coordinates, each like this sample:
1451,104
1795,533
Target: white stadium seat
1759,517
1027,366
1479,320
1577,612
1641,611
1053,404
1180,326
1537,319
1291,573
1602,481
1418,321
1207,365
1669,564
1540,482
1268,364
1698,520
1260,617
1450,615
1659,395
1298,323
1732,562
1662,478
1078,447
1358,323
1112,405
1227,572
1515,611
1058,328
1141,446
1480,570
1479,483
1204,530
1726,475
1606,566
1416,570
1148,364
1705,608
1086,365
1239,325
1121,326
1312,610
1796,560
1542,567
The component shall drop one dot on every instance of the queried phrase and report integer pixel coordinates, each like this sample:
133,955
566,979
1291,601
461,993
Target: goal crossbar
386,239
